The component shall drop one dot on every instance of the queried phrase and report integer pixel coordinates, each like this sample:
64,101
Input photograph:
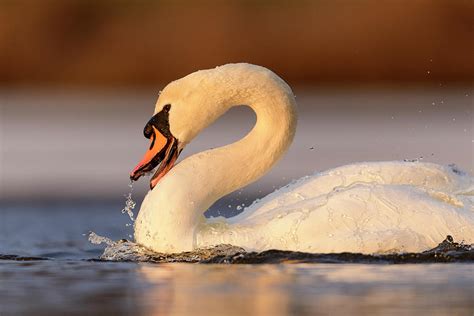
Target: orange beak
162,151
157,144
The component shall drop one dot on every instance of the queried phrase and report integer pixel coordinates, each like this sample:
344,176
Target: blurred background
374,80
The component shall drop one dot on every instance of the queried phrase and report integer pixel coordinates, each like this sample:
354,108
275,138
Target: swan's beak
163,151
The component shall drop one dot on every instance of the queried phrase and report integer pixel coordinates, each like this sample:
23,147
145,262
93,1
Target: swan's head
181,112
163,148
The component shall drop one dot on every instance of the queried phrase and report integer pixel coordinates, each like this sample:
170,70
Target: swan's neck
226,169
172,211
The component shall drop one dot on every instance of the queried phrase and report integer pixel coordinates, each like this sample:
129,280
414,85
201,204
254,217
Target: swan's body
369,207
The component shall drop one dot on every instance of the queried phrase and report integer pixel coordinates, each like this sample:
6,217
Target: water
75,281
80,287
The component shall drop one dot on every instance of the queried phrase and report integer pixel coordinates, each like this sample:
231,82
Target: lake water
69,283
79,288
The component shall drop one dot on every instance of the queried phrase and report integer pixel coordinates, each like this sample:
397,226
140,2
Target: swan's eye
167,108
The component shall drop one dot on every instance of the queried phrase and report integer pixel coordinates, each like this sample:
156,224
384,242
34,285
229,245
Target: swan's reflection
217,290
76,288
303,289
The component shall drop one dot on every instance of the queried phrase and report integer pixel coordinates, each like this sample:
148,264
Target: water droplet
97,239
129,203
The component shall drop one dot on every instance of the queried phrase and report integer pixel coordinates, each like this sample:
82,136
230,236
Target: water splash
129,207
97,239
448,251
129,203
124,250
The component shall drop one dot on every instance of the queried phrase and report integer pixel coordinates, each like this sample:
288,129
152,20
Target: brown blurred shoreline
147,43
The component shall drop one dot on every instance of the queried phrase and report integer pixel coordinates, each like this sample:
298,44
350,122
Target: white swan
366,207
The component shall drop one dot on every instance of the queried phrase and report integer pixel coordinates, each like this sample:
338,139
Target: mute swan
366,207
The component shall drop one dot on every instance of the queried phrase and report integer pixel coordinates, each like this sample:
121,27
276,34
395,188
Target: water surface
70,283
78,287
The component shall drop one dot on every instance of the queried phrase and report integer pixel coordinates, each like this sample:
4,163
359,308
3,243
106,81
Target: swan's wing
367,218
446,180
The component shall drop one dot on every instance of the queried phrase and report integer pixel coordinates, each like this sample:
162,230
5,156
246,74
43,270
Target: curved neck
193,185
226,169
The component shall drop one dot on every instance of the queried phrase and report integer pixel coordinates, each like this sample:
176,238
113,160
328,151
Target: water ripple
448,251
